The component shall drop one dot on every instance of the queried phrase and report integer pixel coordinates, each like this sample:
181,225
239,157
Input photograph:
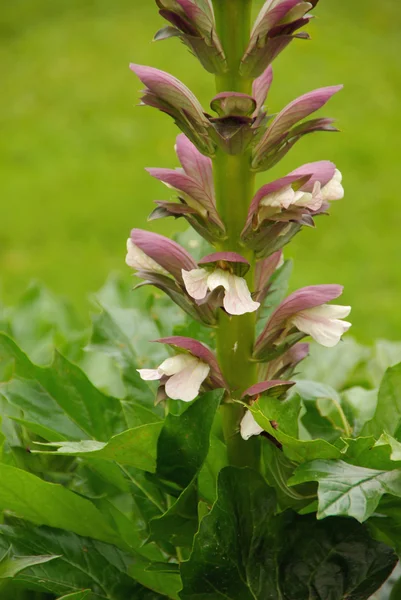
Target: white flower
333,190
249,426
185,373
137,259
237,298
323,323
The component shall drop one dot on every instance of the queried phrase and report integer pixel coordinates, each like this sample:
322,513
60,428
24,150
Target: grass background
73,147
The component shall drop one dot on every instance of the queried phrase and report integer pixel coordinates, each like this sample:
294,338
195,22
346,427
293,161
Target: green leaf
11,566
40,321
49,504
134,447
181,455
346,489
215,461
334,366
84,564
360,404
387,417
76,595
65,385
243,551
184,442
180,523
285,414
234,553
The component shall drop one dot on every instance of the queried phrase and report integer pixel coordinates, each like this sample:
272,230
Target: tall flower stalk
220,154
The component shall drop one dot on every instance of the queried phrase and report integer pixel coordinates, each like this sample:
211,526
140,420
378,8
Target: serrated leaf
66,385
348,490
46,503
387,417
134,447
11,566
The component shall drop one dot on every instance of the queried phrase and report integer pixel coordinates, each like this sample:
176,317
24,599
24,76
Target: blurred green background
73,146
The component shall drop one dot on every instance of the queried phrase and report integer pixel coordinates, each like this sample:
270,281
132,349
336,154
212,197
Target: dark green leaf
184,441
234,552
334,559
346,489
180,523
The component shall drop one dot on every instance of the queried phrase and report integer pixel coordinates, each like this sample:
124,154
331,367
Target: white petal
150,374
238,299
177,363
329,311
323,323
218,278
137,259
195,282
185,385
333,190
249,427
281,199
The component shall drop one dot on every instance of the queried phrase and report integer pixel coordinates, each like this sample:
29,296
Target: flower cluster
235,280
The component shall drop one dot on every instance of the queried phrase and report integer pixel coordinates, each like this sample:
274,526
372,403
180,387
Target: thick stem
234,184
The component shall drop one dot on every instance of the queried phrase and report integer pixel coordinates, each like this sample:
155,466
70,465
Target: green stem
233,24
234,185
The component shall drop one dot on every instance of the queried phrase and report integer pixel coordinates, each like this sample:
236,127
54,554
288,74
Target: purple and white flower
279,209
170,95
275,27
305,312
194,23
193,184
283,131
184,374
159,261
223,270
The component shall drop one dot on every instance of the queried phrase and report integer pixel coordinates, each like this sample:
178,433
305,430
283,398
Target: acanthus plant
209,468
